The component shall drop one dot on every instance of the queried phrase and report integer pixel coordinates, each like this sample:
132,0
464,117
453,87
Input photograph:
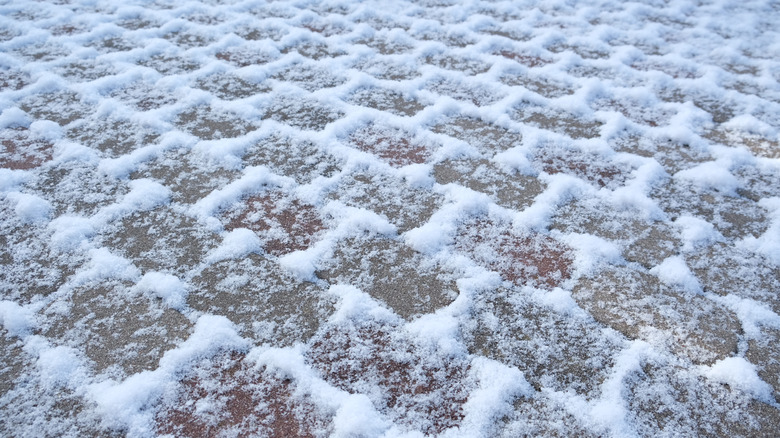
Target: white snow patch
13,117
561,301
710,175
236,244
170,288
673,271
61,366
357,417
696,233
611,410
71,232
11,179
104,265
498,386
767,244
29,208
740,374
440,330
354,304
17,320
590,251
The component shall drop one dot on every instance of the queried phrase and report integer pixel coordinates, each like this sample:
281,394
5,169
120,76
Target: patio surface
380,219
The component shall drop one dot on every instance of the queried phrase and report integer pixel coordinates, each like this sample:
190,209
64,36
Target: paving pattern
362,219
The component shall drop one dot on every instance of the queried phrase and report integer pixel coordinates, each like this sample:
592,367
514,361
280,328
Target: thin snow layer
392,219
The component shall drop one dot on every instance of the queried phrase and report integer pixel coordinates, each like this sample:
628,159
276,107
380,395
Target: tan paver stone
527,59
14,362
540,417
675,70
42,51
590,167
302,113
325,28
143,96
392,273
386,100
653,243
208,123
458,90
302,160
673,156
404,206
228,86
51,413
113,136
733,216
188,39
29,268
253,33
456,63
757,144
312,49
386,69
583,50
558,121
138,22
160,240
721,110
167,64
13,79
487,137
309,77
540,85
385,46
764,353
244,57
121,331
643,241
553,350
77,188
636,111
511,190
723,269
267,304
86,70
189,177
452,39
637,305
757,184
61,107
670,398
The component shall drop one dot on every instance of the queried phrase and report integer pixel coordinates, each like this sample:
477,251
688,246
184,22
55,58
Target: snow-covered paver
385,219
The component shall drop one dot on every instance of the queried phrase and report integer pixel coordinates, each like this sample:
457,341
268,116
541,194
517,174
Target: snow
696,232
710,175
673,271
30,208
740,374
236,244
16,319
467,218
166,286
